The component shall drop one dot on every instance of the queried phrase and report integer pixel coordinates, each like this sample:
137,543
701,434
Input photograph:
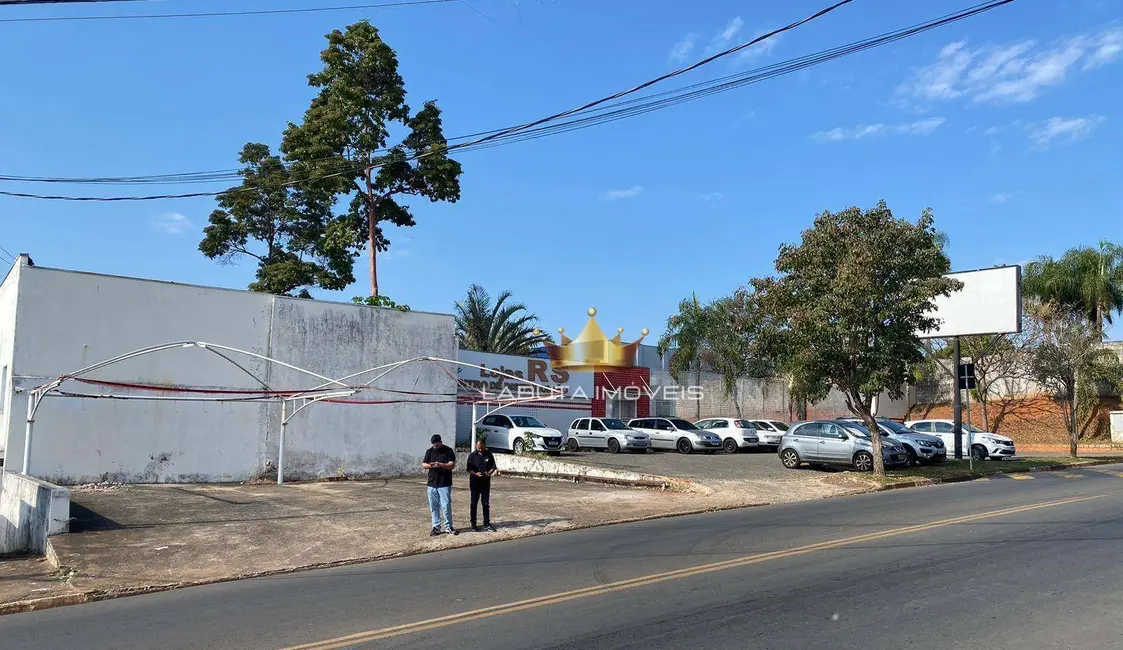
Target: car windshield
526,421
971,428
614,424
894,426
858,430
780,425
683,425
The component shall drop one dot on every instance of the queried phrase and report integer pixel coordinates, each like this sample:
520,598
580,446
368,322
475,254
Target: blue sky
1007,125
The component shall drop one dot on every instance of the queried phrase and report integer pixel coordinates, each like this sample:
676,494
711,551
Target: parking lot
719,466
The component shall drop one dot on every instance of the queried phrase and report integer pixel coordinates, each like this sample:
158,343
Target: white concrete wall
8,292
69,320
30,511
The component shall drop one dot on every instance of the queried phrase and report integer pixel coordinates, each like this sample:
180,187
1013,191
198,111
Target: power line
592,117
11,259
58,2
213,14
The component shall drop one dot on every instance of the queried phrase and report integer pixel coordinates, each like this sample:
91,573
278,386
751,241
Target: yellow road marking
1020,477
642,581
1069,475
1111,472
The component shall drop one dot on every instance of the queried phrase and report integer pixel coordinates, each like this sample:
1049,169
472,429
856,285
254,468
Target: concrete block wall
30,511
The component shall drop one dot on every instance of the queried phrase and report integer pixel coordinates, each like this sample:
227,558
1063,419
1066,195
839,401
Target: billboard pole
956,402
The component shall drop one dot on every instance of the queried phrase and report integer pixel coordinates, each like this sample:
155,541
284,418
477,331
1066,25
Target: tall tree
1087,280
502,328
290,232
687,337
1070,360
731,346
848,304
341,147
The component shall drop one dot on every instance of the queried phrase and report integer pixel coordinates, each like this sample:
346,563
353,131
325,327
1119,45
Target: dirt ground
132,537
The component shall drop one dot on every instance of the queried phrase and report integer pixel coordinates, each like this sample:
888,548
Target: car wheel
572,445
978,452
730,446
614,445
789,458
683,446
863,461
913,461
519,447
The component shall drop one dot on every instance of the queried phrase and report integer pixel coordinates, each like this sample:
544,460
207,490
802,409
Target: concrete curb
922,482
48,602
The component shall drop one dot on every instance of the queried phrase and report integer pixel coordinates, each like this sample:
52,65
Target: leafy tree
731,350
379,301
688,336
848,303
1070,361
1086,280
341,147
291,233
502,328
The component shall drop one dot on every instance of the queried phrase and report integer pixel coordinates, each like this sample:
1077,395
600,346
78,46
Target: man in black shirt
440,461
481,467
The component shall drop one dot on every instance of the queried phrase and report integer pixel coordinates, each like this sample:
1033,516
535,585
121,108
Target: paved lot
719,466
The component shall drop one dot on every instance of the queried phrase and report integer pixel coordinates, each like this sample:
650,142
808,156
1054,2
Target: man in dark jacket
481,467
440,461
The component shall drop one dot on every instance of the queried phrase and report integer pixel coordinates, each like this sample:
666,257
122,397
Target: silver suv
831,442
921,448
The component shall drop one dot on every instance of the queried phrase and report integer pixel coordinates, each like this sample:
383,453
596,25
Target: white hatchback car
676,433
606,433
735,433
769,432
980,444
519,433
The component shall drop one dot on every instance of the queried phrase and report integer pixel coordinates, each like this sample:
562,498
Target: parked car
676,433
832,442
606,433
922,448
770,431
735,433
518,433
980,444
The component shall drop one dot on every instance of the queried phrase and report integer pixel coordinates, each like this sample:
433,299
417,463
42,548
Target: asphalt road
1003,563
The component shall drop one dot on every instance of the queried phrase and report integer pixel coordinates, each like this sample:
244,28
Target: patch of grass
961,469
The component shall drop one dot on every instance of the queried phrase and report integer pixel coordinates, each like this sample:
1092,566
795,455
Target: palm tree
502,328
688,337
1086,280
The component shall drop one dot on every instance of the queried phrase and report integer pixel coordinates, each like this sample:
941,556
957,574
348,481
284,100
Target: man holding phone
440,461
481,467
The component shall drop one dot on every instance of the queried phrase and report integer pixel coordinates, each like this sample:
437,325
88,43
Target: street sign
966,376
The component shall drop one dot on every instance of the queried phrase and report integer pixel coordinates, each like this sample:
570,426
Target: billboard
990,302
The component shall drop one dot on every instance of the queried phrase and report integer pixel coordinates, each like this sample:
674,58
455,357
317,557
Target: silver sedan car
836,443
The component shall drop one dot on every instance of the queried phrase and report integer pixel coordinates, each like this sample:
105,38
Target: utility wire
11,259
213,14
607,113
58,2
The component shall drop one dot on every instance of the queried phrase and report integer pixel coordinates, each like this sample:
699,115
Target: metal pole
281,443
956,403
473,448
27,433
971,436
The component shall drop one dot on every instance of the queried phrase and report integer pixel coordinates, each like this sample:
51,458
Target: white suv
518,433
981,444
606,433
735,433
676,433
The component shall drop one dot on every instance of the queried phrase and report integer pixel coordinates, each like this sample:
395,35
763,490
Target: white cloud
920,127
713,199
1011,73
173,223
1000,198
627,193
1060,130
682,49
732,29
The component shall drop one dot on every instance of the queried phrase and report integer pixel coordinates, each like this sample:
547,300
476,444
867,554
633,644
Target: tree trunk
875,438
1074,431
372,229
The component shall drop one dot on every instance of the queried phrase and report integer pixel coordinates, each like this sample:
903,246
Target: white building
53,322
